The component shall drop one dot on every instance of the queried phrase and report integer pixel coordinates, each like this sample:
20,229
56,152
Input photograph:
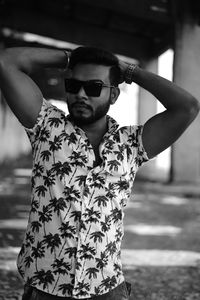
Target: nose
81,93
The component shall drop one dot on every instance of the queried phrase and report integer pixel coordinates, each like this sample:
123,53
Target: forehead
91,71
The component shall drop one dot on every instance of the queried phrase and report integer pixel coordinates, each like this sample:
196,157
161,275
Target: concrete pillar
186,151
147,107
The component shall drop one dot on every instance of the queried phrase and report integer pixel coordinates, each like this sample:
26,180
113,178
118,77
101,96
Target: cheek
69,99
105,96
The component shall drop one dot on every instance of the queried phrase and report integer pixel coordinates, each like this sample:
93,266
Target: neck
97,128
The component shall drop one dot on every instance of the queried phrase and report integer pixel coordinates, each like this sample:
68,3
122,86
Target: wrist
130,72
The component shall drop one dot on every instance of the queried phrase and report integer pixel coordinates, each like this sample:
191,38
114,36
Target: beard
79,117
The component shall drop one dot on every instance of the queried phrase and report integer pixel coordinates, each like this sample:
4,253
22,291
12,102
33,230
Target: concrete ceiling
134,28
139,29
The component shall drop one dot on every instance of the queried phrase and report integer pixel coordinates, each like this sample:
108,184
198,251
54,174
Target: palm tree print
71,251
49,180
83,288
71,196
38,252
102,262
55,145
111,248
44,136
109,282
120,153
76,216
28,261
52,242
110,192
97,236
45,155
40,190
81,180
44,278
101,200
92,272
54,122
116,215
113,165
61,170
35,226
105,226
60,267
34,206
118,235
92,216
45,216
66,289
97,181
38,170
58,205
67,232
79,161
70,138
86,253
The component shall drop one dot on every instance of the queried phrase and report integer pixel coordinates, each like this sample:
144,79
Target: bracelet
129,73
67,54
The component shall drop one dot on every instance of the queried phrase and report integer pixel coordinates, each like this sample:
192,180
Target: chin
83,120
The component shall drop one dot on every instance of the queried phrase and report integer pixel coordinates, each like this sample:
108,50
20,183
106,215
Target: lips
81,106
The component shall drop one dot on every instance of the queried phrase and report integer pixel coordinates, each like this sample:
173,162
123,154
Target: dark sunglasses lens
93,89
72,86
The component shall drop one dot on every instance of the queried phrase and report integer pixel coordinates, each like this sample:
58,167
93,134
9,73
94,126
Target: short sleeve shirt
72,245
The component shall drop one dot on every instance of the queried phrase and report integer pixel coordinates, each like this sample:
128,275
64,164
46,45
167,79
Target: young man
84,166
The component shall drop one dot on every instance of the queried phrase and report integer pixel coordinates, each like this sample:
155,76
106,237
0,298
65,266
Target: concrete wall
13,139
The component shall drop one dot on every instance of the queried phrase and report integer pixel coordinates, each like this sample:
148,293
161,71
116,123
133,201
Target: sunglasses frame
86,85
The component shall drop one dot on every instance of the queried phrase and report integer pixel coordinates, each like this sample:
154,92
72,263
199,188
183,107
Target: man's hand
123,67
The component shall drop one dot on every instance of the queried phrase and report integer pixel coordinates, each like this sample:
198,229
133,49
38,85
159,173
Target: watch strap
128,76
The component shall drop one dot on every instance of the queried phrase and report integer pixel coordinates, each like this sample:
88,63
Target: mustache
81,104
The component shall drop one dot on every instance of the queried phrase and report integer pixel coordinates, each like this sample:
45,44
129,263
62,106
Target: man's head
93,85
92,55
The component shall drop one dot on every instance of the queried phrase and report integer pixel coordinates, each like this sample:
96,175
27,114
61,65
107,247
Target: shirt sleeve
135,140
45,111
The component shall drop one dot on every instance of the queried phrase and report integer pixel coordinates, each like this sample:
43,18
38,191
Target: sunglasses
91,87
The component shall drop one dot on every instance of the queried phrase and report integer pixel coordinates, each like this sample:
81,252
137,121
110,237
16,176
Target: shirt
72,245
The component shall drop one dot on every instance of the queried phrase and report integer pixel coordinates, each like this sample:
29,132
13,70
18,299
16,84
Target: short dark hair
85,55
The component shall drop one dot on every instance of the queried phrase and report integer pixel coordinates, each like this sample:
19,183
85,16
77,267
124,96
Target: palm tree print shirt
73,238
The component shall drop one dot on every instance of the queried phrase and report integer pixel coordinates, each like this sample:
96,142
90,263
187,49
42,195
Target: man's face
86,109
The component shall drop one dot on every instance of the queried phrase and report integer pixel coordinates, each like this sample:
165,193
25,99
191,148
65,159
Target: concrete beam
142,9
76,32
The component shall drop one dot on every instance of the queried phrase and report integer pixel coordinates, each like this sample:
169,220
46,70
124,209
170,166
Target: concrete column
147,107
186,151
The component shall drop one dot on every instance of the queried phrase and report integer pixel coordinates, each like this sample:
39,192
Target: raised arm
165,128
20,91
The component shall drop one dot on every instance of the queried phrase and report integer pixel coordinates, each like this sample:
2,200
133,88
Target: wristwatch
128,76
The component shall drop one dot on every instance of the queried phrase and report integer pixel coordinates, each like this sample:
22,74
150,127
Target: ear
114,94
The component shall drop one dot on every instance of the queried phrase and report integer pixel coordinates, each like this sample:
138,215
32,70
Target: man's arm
20,91
165,128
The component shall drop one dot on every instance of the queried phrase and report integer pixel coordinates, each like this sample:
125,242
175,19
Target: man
84,166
